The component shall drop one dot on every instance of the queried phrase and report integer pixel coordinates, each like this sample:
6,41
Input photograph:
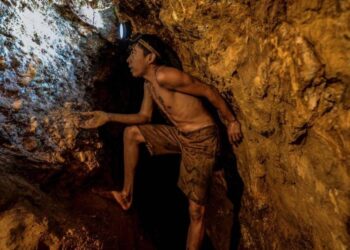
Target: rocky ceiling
282,65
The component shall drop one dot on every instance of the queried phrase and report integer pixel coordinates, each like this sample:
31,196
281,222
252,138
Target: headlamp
124,33
124,30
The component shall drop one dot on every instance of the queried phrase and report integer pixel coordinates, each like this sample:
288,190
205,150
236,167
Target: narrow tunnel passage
162,209
282,66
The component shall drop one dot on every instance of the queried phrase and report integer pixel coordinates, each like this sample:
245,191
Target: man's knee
196,211
132,133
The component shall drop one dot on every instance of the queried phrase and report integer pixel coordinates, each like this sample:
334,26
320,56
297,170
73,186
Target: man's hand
93,119
234,132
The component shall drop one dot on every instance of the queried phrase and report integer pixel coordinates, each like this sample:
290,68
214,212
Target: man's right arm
144,115
99,118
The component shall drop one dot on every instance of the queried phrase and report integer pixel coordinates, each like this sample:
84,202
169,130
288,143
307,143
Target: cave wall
49,61
284,68
282,65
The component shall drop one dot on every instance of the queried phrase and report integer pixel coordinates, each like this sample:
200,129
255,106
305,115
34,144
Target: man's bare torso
185,111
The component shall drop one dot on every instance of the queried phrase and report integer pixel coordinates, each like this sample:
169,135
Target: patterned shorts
198,148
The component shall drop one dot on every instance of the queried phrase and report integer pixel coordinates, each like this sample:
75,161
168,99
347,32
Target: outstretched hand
93,119
234,132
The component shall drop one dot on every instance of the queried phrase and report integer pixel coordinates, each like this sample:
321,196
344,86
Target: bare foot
123,199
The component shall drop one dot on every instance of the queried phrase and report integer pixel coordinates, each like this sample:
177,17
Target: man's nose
128,60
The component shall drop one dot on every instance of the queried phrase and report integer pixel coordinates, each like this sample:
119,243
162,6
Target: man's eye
130,49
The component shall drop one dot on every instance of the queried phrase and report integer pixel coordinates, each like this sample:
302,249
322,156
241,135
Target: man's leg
196,229
132,139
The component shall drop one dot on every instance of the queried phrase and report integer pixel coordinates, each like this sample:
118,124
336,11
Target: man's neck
150,74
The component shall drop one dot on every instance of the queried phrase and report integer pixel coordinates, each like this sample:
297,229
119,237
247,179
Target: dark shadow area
235,188
161,207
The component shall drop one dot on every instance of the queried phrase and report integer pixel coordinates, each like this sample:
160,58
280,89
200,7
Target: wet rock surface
47,57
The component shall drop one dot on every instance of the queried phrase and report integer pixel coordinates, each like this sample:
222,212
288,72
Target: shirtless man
194,133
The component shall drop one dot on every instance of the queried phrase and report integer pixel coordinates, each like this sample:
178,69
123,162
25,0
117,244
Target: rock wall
49,56
284,67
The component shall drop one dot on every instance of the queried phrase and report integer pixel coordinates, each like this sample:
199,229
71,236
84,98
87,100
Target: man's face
137,61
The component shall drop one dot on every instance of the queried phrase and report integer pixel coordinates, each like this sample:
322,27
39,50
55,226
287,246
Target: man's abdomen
191,115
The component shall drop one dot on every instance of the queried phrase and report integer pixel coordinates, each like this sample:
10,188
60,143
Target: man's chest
163,97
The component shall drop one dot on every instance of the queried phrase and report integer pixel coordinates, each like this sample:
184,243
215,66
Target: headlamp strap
149,47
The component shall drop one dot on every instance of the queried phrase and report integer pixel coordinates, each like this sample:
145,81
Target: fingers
86,120
235,143
87,125
235,138
230,138
234,133
239,137
232,141
84,125
87,113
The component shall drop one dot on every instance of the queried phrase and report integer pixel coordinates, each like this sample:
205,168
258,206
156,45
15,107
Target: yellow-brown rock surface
285,68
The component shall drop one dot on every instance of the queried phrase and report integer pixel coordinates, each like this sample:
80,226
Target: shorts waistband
199,130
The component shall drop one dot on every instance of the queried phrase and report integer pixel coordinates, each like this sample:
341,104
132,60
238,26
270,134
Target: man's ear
151,58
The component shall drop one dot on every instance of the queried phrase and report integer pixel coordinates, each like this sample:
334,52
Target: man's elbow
145,118
211,93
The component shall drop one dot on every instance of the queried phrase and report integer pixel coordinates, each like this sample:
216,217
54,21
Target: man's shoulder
168,75
167,69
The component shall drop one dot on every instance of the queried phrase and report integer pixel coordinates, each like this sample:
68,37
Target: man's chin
134,74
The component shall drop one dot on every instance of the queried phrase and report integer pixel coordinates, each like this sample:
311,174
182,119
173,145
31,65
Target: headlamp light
124,30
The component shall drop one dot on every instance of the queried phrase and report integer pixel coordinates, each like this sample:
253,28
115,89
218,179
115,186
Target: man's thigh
199,154
160,139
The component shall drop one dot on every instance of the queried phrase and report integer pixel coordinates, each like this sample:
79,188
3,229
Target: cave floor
107,222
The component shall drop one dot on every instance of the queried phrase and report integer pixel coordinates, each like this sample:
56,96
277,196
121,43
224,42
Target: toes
123,200
103,193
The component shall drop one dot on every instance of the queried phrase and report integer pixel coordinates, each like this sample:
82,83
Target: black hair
168,56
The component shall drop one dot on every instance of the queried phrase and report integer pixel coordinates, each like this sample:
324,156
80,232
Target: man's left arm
176,80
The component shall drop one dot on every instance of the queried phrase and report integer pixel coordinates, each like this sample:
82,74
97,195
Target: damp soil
106,221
